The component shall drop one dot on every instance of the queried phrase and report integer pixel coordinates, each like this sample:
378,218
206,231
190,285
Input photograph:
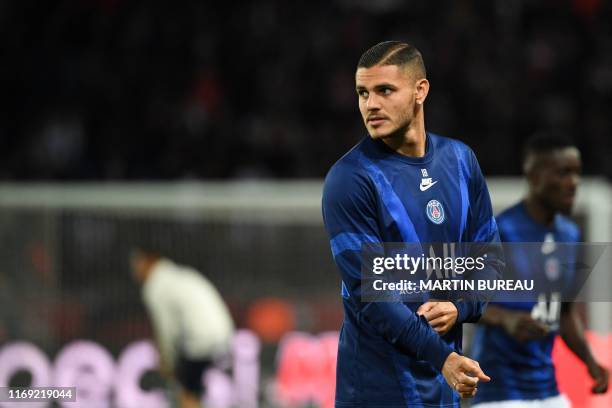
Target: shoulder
347,176
509,218
567,228
188,280
349,193
445,144
350,161
452,149
169,275
510,214
446,147
160,282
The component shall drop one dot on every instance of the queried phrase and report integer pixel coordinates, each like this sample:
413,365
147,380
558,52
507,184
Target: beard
404,120
399,132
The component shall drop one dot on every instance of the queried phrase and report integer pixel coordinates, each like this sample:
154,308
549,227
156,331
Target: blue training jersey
388,356
524,371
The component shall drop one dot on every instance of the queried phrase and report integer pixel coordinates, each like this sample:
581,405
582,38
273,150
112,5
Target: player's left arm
482,235
164,321
572,333
481,232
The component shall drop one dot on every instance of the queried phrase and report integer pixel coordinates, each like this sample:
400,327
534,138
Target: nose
373,102
574,180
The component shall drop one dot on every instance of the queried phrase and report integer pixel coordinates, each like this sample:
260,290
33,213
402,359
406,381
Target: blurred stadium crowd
117,89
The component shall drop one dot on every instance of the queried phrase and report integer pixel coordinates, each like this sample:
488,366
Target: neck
148,266
409,142
538,211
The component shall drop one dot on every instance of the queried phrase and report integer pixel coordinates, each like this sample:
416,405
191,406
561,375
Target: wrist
460,307
451,357
437,354
592,366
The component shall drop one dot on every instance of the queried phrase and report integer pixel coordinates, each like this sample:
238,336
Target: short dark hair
149,237
393,53
544,143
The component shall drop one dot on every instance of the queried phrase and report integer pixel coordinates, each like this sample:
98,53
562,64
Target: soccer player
192,324
403,184
515,342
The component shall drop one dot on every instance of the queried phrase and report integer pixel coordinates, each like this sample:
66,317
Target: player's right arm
572,333
517,323
164,323
350,217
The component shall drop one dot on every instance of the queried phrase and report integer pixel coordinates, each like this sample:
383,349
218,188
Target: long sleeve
157,298
480,228
350,217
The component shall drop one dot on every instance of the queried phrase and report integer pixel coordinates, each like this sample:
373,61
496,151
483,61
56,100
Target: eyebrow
377,86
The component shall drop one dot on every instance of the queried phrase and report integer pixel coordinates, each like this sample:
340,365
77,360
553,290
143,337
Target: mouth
376,120
570,194
568,199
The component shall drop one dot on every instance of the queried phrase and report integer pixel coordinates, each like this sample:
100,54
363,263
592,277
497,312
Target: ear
421,91
533,178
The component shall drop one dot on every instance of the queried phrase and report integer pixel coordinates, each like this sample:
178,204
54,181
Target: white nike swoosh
548,248
423,188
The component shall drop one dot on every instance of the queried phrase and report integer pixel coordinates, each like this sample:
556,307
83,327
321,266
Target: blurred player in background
515,343
192,324
403,184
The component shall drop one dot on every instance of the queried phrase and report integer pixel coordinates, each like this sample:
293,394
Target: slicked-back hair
394,53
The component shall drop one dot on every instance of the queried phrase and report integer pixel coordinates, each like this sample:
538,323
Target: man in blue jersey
515,342
403,184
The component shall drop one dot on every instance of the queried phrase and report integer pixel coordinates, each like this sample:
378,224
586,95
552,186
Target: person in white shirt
192,324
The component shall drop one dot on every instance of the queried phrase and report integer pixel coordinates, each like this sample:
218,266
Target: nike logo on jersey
549,246
426,184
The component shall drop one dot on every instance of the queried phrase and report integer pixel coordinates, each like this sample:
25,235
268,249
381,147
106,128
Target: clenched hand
441,315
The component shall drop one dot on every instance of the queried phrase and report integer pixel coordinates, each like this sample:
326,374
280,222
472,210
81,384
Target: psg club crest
552,269
435,212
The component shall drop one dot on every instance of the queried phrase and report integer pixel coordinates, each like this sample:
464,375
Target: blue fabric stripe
392,202
345,292
406,379
465,198
349,241
483,234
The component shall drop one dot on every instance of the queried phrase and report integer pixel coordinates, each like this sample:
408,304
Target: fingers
472,368
600,388
441,330
440,315
441,325
601,382
538,329
439,321
481,375
531,329
463,383
466,395
425,307
463,375
465,390
467,381
435,312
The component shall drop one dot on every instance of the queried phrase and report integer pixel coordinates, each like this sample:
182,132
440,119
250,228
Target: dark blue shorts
189,373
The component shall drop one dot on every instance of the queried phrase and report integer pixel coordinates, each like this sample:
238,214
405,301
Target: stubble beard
396,137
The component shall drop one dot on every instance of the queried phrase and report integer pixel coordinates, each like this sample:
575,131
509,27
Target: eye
386,91
363,93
